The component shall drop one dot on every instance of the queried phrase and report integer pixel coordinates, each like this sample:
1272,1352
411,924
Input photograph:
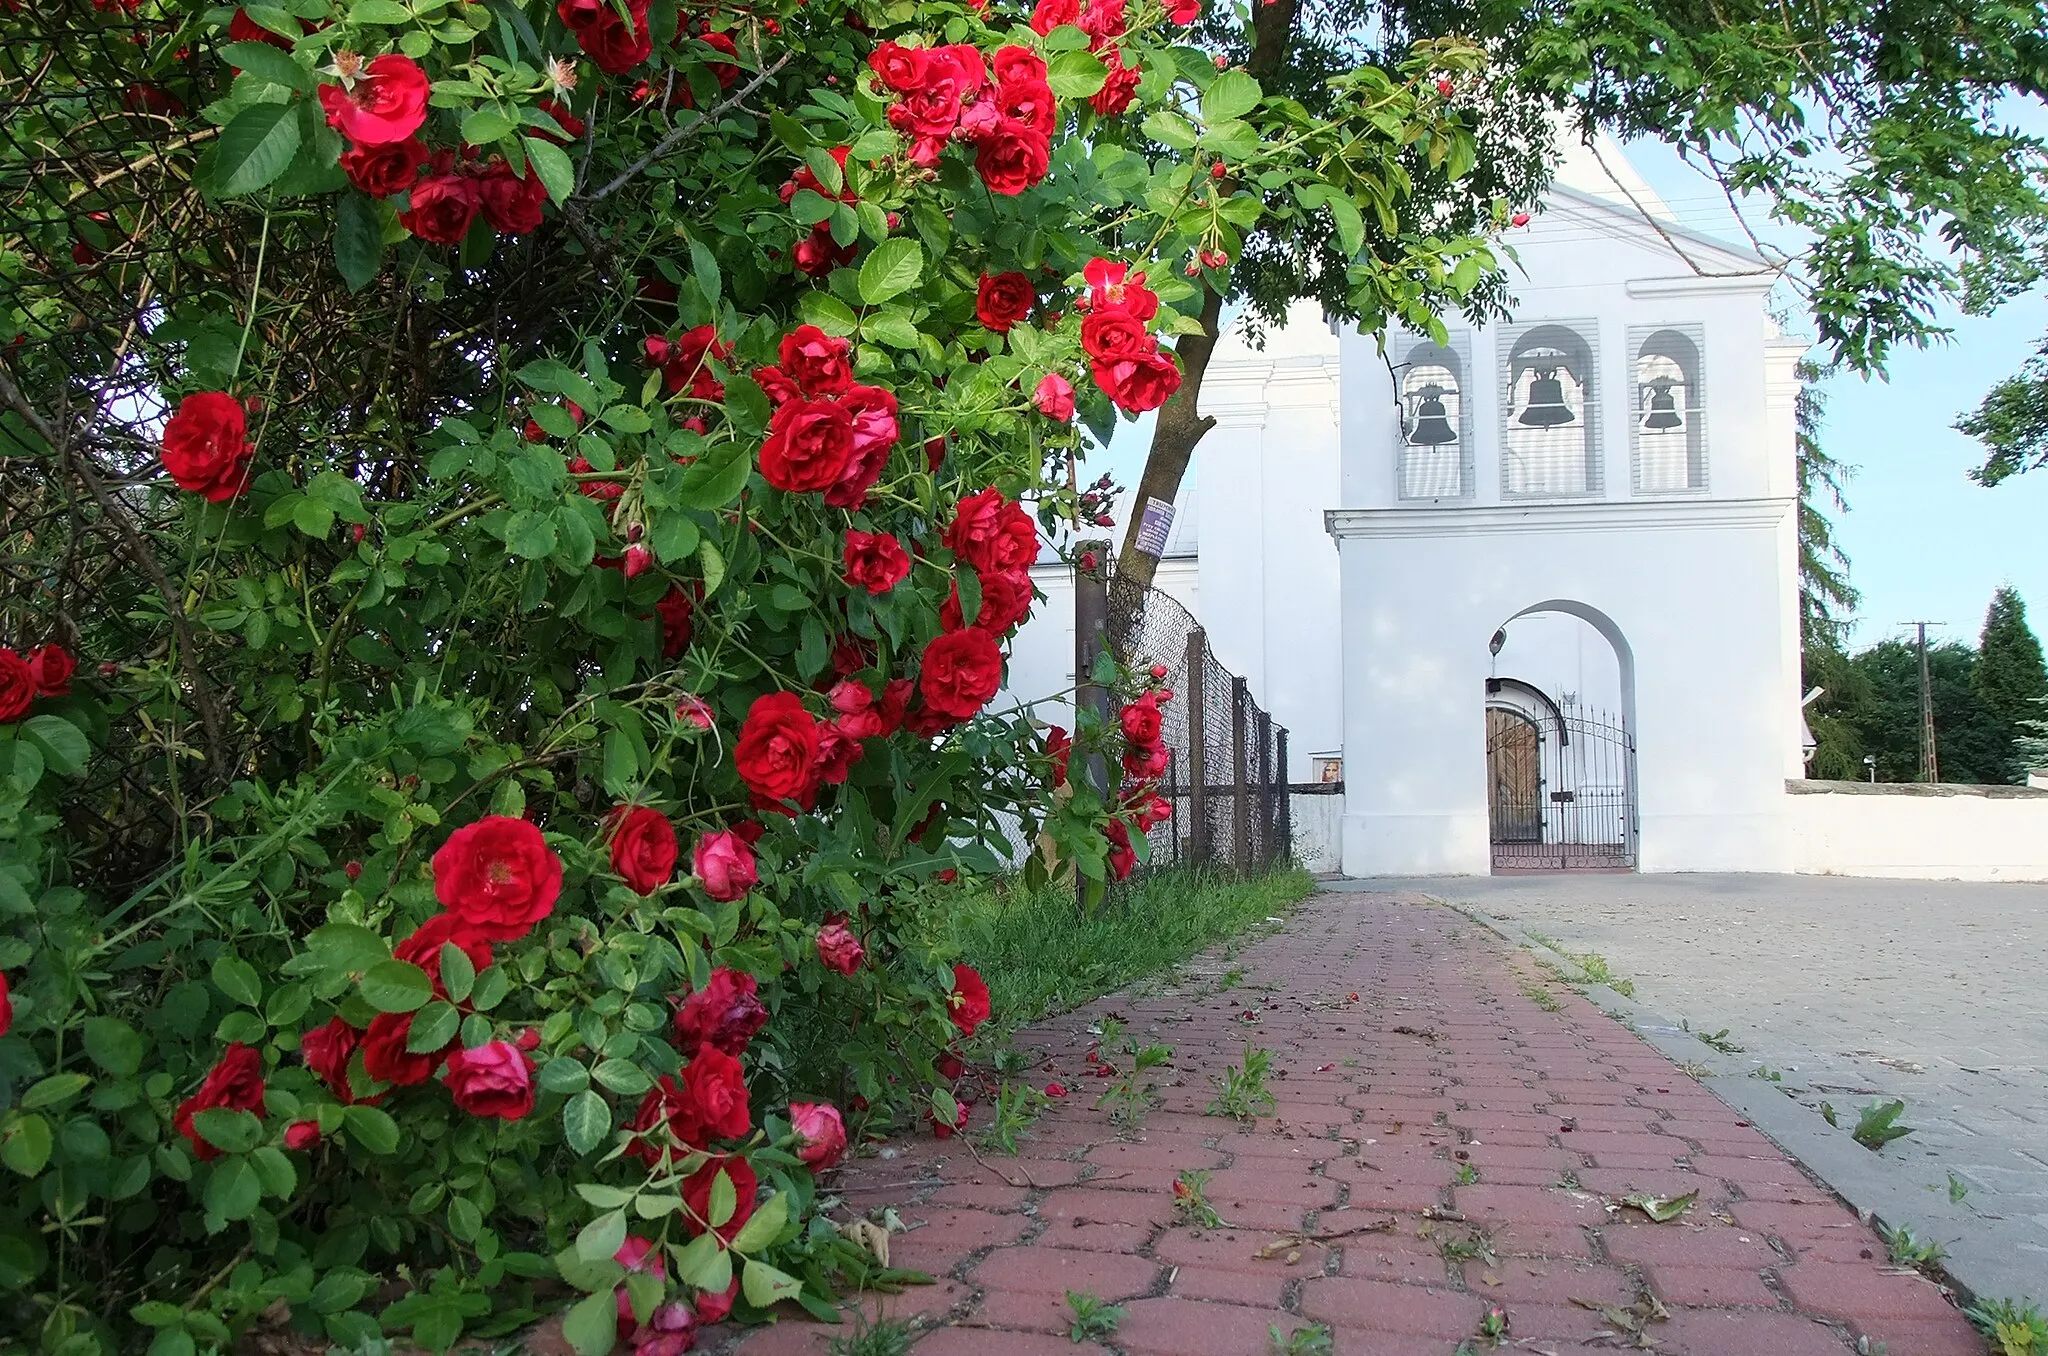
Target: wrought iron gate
1560,790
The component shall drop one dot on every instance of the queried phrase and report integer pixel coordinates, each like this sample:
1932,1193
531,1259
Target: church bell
1546,407
1432,425
1663,409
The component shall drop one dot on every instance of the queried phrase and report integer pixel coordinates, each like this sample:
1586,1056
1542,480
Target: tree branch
688,129
81,464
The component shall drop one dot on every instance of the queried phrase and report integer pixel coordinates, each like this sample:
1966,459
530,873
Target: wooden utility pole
1930,762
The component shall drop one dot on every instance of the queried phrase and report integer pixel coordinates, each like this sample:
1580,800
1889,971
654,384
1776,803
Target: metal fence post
1240,797
1091,638
1286,798
1265,852
1173,803
1197,698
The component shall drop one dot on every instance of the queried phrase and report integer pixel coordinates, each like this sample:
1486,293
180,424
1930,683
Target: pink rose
838,948
494,1079
725,866
822,1132
1054,397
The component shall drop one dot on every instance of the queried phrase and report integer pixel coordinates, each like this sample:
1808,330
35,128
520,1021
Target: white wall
1919,832
1318,830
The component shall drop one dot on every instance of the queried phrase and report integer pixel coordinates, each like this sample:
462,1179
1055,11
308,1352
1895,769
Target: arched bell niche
1549,428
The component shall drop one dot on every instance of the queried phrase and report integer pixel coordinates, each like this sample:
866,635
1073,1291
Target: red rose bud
1159,670
1519,219
638,559
1446,88
302,1134
357,532
1087,560
1217,170
353,870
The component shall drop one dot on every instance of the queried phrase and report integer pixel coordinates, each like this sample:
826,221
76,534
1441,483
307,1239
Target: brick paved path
1442,1061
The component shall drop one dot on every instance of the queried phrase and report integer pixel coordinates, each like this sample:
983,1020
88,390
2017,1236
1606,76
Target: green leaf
113,1045
704,267
763,1285
759,1231
894,267
275,1171
564,1075
586,1120
552,164
238,979
1232,95
234,1190
25,1144
622,1076
491,987
255,148
345,948
432,1028
602,1237
530,534
1170,129
458,976
746,404
358,240
1350,228
725,1200
892,327
372,1128
705,1264
827,312
229,1130
465,1221
54,1090
265,62
1076,74
712,487
379,12
64,748
621,763
591,1325
485,125
396,986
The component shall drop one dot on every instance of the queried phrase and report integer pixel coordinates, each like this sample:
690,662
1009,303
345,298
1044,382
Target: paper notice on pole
1153,526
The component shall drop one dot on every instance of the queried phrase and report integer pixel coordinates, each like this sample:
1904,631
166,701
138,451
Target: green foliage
1041,955
1313,1339
1241,1091
1908,1249
2013,1327
2010,676
1191,1199
1878,1125
1018,1106
1877,696
1091,1316
881,1337
2012,422
1824,589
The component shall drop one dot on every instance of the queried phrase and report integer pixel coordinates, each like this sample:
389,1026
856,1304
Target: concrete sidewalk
1451,1141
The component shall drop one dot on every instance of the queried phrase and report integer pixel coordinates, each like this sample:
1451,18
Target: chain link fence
1226,779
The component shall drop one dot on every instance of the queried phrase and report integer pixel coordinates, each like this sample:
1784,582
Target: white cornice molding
1602,516
1690,285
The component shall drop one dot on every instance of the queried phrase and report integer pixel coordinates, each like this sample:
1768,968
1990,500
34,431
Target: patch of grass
1191,1199
1092,1315
2012,1328
884,1338
1314,1340
1041,955
1908,1249
1241,1092
1017,1106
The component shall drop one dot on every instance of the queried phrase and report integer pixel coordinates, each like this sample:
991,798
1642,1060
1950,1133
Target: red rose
1013,65
1119,89
572,126
387,103
636,1254
820,1133
423,948
859,715
499,876
6,1007
617,45
686,363
385,1057
817,254
206,446
1005,601
1111,335
676,610
50,667
872,412
714,1308
723,71
725,866
719,1088
236,1082
816,361
838,949
875,561
511,204
940,1130
697,1196
665,1123
895,700
1057,746
776,384
1003,300
777,753
1050,14
1122,860
809,445
381,171
1030,104
1054,397
1012,157
1142,720
967,1005
302,1135
327,1051
1143,762
644,848
724,1014
242,28
1183,11
494,1079
1102,20
901,69
838,751
954,71
1138,384
992,534
961,671
17,686
1113,286
443,208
